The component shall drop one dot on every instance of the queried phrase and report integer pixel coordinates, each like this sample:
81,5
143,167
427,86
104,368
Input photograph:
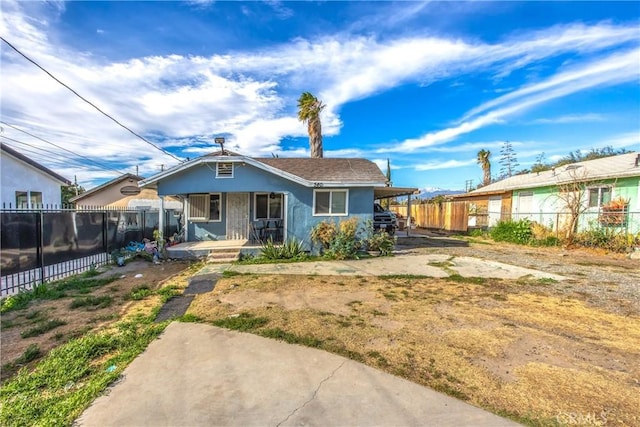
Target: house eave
151,181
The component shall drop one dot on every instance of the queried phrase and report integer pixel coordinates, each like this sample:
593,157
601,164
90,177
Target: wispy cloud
610,70
571,118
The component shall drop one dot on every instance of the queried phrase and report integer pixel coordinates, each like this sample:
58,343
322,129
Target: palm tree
309,108
483,161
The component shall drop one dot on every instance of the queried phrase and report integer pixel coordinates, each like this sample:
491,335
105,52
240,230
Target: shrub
343,246
607,238
378,240
512,231
291,249
324,233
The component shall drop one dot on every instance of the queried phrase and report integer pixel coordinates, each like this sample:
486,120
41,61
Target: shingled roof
620,166
328,169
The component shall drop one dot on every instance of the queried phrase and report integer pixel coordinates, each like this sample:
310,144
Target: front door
237,216
495,210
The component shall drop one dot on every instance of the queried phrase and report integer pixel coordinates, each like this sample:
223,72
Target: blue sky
423,84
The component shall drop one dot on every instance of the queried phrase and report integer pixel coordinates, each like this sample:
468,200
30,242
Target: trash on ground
137,276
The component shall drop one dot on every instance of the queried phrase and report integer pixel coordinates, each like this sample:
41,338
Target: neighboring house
123,193
26,184
234,197
541,197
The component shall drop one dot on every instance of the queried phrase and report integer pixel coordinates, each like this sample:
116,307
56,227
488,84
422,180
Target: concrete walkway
200,375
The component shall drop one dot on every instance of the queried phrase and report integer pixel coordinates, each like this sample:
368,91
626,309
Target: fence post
105,232
40,243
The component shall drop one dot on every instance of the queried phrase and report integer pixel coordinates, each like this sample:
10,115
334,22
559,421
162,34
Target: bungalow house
229,196
123,193
26,184
542,196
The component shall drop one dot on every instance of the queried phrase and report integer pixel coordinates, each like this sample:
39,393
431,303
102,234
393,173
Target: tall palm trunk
309,108
483,161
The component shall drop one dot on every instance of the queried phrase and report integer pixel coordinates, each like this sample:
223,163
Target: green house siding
545,206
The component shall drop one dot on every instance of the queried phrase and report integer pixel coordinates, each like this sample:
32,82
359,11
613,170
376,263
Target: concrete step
223,256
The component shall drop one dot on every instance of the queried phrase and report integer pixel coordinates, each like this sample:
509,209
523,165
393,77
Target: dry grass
81,320
516,349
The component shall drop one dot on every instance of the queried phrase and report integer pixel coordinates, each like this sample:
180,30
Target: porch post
161,217
408,214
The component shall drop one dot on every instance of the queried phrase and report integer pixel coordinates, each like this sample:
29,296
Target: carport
381,193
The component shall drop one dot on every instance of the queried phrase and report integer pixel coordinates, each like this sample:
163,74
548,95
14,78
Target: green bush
291,249
610,239
379,240
343,246
512,231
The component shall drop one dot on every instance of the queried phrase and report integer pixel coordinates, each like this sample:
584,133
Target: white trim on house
331,191
256,163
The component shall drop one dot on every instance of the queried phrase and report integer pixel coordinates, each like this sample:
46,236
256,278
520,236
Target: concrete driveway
200,375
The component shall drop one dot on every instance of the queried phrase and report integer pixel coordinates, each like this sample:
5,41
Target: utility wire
35,154
57,157
102,165
89,102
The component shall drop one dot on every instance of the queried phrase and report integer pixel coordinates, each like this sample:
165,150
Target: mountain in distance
431,192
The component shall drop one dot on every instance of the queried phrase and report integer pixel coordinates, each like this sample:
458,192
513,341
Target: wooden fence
449,215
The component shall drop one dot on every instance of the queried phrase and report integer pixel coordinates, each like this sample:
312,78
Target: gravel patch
610,281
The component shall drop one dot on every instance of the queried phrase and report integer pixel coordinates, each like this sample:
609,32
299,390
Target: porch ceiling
389,192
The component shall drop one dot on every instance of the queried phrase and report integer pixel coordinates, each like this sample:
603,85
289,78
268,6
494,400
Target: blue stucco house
228,196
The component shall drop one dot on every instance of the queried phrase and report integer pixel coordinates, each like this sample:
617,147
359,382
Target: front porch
217,250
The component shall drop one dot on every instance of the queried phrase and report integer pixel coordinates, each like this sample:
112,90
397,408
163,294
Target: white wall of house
17,176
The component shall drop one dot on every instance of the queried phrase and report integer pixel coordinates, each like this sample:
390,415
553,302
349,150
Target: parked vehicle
384,219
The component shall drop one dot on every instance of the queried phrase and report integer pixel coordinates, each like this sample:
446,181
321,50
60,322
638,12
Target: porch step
219,256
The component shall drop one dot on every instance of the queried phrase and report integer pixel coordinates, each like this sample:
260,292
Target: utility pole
136,170
75,183
467,185
161,168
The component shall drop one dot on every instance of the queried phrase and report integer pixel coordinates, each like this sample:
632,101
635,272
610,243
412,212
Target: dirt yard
540,351
112,301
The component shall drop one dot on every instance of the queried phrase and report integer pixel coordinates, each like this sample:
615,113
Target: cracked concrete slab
200,375
431,265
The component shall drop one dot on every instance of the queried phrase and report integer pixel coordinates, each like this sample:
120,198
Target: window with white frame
224,170
599,196
28,199
268,206
330,202
205,207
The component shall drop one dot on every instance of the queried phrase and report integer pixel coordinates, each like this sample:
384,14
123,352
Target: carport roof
389,192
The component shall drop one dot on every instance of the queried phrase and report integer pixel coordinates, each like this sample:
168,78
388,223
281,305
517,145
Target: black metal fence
43,245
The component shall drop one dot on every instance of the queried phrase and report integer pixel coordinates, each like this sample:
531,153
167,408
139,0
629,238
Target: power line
102,165
91,103
38,151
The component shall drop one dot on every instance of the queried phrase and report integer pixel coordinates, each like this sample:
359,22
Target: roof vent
638,160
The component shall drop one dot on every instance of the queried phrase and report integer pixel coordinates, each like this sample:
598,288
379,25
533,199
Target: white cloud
250,96
613,69
571,118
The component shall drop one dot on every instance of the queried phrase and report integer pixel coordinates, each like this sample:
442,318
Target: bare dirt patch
538,351
102,305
